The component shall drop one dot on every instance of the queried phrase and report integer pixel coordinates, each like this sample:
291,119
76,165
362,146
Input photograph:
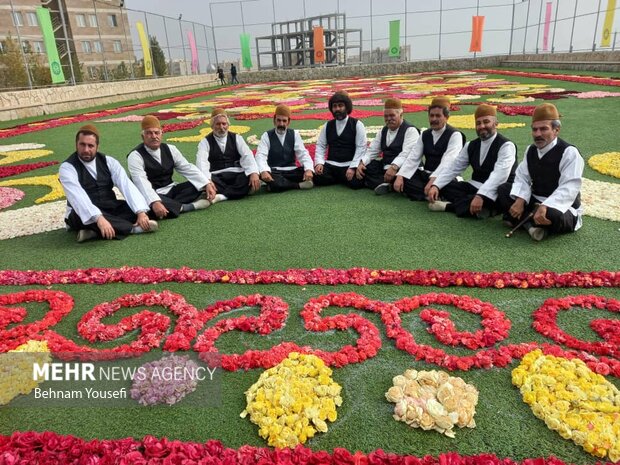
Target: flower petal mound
572,400
433,400
293,400
16,370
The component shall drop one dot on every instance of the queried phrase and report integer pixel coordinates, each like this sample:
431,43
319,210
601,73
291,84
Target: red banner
319,45
477,24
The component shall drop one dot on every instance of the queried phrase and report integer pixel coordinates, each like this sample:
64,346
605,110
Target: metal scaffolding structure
291,43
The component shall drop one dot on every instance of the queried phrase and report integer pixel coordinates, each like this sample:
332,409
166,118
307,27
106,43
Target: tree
159,60
12,71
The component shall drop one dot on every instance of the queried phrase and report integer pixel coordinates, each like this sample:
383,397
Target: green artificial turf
330,227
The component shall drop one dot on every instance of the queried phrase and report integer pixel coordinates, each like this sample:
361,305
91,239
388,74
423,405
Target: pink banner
547,24
192,47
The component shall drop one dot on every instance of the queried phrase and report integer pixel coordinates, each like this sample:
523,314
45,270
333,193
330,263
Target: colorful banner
319,45
477,25
608,24
146,50
246,58
545,46
394,38
192,47
43,15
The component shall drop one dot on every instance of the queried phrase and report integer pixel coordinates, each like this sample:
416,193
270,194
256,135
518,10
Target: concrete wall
21,104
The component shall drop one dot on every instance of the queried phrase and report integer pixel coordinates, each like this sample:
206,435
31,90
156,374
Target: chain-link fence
107,47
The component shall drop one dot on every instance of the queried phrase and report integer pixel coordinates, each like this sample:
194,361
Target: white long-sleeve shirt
78,198
248,163
360,145
506,157
374,150
301,153
135,163
569,184
414,157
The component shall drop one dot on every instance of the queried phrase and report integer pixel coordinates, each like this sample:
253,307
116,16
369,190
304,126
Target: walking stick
521,223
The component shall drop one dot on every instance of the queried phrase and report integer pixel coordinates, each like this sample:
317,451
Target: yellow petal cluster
606,163
16,371
433,400
50,180
293,400
15,156
572,400
469,122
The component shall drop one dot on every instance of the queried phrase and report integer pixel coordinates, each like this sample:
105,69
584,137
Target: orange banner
319,45
477,24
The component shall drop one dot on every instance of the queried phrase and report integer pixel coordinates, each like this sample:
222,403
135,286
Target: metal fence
435,29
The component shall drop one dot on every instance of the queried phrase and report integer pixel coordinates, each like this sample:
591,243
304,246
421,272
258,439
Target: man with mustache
277,153
493,161
227,161
340,145
152,165
93,210
547,182
439,146
387,151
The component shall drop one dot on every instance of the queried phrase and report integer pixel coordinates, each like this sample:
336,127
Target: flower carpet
345,328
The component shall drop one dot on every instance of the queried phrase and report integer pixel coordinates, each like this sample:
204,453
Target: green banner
43,14
246,58
394,38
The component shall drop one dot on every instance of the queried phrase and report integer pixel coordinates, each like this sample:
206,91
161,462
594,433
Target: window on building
37,47
98,46
32,19
18,19
26,46
80,20
1,48
112,22
118,46
86,47
92,20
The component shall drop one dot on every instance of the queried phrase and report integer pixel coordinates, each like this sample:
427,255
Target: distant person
227,161
493,160
152,164
279,152
340,146
547,184
233,74
388,150
93,210
220,75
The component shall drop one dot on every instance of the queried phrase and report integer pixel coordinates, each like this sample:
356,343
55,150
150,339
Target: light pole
183,44
21,48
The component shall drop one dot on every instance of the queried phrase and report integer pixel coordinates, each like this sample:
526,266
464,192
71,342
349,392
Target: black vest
341,147
434,152
482,172
158,175
230,158
390,152
545,172
99,190
281,155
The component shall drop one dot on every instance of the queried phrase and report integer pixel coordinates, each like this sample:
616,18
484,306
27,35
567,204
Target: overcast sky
419,24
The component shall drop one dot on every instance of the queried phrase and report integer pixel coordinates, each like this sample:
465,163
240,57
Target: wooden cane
523,221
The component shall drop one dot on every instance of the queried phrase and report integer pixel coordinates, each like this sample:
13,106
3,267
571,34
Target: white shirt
360,144
374,150
414,157
569,184
506,157
78,198
301,153
248,163
135,164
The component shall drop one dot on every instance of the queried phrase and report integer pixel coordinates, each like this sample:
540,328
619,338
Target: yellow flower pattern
16,370
51,181
606,163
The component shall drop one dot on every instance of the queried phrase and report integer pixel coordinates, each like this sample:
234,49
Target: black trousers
337,175
117,212
285,180
460,194
232,185
560,222
374,175
176,197
414,186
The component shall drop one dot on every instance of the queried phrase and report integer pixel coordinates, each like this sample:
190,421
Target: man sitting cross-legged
493,161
